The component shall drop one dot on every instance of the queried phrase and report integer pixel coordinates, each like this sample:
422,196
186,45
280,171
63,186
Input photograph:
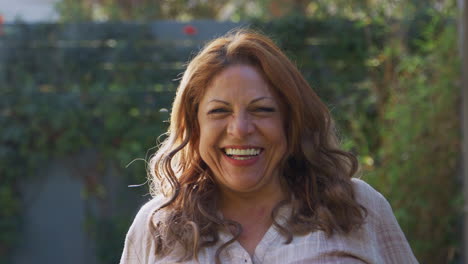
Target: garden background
83,101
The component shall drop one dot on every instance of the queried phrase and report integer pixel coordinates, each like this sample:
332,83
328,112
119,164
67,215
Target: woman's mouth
242,154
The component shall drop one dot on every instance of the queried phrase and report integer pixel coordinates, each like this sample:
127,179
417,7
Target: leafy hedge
420,141
393,92
66,89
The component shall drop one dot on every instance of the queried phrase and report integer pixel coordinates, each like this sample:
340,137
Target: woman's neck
252,212
246,207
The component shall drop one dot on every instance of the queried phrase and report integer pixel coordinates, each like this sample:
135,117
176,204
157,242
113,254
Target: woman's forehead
238,81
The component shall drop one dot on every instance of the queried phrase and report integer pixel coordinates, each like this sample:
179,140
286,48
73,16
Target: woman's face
242,137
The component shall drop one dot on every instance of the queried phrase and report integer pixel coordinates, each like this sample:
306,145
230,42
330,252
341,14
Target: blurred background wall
29,10
85,91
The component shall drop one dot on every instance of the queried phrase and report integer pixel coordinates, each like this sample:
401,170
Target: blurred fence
57,56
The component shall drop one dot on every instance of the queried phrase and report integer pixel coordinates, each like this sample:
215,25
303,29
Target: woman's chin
245,185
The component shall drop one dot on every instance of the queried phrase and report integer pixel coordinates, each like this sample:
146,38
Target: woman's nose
240,126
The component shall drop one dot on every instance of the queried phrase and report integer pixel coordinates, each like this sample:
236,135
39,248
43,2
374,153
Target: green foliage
77,10
108,234
137,10
9,223
420,142
237,10
88,98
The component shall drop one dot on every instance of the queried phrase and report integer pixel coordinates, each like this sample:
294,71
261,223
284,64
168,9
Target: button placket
246,257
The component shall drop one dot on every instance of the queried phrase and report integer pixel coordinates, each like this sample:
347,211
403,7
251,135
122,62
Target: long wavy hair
318,174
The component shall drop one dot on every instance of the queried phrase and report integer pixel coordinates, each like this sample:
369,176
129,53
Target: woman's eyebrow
261,98
218,101
251,102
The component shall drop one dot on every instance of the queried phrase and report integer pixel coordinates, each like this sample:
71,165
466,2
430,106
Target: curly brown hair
318,174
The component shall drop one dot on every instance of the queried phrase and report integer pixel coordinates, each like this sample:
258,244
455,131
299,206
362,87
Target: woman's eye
218,111
265,109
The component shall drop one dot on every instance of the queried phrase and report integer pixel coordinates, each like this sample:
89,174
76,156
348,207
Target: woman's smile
242,155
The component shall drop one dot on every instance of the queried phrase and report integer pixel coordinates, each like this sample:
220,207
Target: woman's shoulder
139,242
150,206
366,195
380,219
382,225
141,222
377,206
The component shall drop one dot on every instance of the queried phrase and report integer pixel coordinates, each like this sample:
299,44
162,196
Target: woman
251,172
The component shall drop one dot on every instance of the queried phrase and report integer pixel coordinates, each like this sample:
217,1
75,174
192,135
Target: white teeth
242,152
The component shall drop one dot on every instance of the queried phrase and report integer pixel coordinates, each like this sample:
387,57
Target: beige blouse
379,240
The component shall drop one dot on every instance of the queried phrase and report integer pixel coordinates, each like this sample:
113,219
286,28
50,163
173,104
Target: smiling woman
251,172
